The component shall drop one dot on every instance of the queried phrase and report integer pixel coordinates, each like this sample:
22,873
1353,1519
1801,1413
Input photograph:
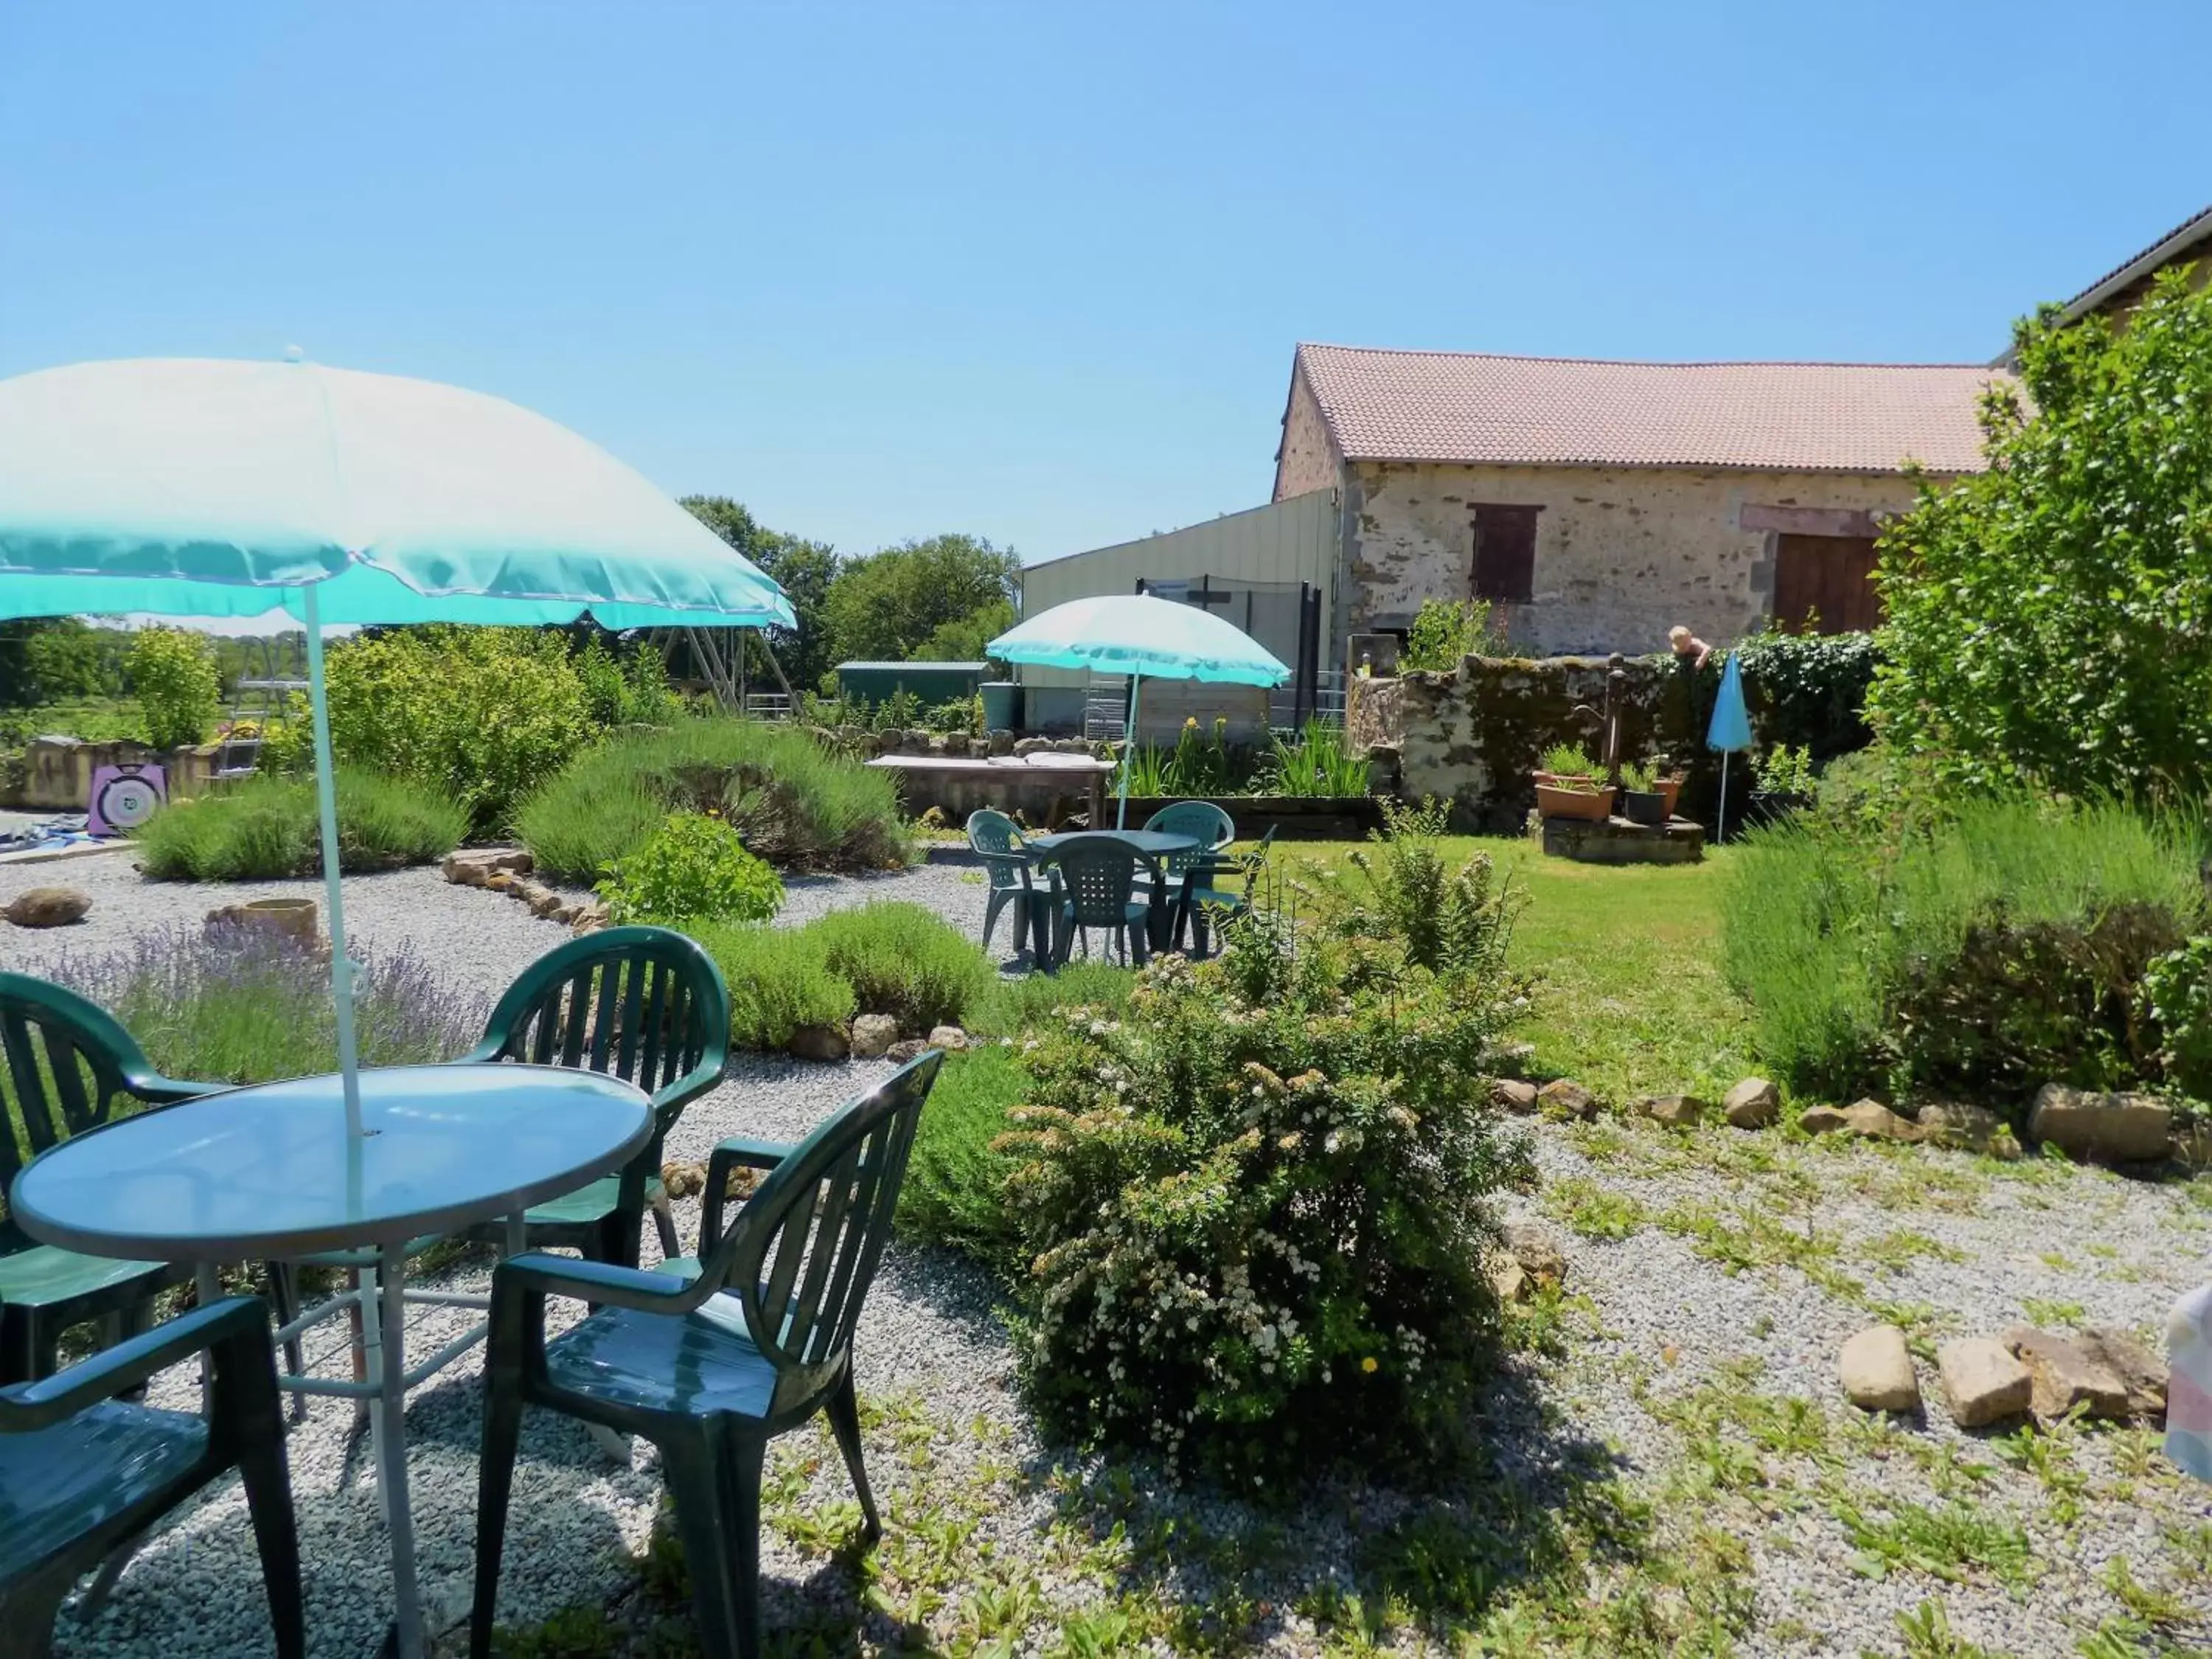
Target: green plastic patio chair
712,1363
1098,875
69,1068
644,1004
1214,828
1006,861
82,1474
1206,893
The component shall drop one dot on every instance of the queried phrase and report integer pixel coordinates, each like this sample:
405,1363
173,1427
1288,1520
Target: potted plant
1571,785
1782,783
1640,802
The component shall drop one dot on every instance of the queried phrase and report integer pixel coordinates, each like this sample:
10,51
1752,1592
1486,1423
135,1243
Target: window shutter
1504,553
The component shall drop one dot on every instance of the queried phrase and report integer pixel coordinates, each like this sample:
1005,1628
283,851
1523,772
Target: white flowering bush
1253,1204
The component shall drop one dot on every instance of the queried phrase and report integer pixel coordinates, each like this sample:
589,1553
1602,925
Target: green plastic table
1150,845
269,1173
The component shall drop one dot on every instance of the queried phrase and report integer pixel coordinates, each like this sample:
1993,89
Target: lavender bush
231,1003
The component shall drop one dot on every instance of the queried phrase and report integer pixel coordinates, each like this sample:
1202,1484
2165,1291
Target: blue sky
1034,271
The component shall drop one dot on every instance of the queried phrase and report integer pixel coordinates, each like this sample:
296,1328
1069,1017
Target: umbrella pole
326,809
1128,751
1720,826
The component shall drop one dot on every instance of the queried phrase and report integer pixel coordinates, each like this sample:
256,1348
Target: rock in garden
590,919
1753,1103
873,1035
1000,742
1564,1097
905,1049
822,1042
684,1179
1877,1371
1535,1251
1675,1111
1877,1121
2116,1128
544,902
475,866
1508,1279
1514,1095
1967,1127
48,907
1821,1119
1027,746
1982,1381
950,1038
2142,1370
956,743
2063,1375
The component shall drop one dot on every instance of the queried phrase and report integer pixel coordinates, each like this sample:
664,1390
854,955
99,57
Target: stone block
1983,1382
2116,1128
1877,1372
1753,1103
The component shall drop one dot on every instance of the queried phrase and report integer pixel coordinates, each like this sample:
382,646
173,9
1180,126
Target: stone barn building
1595,504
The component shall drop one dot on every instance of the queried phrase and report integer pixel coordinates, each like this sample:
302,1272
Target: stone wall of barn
1621,554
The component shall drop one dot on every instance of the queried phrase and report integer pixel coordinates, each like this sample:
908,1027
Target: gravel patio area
1675,1354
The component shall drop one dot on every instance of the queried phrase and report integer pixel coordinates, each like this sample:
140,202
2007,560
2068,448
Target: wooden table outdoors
1090,772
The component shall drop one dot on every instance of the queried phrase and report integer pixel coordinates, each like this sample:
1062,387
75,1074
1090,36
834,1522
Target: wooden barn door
1827,577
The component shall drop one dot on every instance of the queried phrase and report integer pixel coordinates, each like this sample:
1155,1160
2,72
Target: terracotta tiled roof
1797,417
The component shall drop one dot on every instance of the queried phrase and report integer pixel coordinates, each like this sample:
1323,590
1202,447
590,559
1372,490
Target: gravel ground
1655,1333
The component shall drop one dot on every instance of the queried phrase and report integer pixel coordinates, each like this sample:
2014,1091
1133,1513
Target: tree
889,606
172,675
50,659
802,569
2051,619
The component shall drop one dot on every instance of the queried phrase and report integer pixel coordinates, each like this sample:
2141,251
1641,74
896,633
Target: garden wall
55,774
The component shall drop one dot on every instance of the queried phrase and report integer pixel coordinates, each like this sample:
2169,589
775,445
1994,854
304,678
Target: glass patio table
1150,845
269,1173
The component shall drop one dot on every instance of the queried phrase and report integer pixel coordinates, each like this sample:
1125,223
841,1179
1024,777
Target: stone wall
1621,554
1307,459
1472,738
54,774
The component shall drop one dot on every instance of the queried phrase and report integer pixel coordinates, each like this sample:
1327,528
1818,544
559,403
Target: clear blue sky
1036,271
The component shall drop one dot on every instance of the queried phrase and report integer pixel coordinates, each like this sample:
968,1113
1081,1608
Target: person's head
1679,637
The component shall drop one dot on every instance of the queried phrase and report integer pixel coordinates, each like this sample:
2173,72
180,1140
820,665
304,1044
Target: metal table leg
389,1425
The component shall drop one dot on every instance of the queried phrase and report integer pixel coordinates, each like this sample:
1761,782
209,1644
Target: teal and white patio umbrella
212,488
1136,635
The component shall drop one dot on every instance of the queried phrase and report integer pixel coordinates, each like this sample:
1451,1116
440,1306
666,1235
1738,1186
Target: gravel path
1668,1352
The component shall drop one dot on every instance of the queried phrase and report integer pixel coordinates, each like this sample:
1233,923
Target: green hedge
780,980
954,1192
265,827
798,804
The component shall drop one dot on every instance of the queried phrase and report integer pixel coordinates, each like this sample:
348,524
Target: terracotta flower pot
1672,789
1593,803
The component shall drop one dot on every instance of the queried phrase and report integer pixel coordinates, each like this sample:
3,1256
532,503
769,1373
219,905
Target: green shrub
795,803
1809,691
480,714
1255,1206
1993,949
265,827
906,961
2047,615
780,980
1447,631
1446,921
955,1184
626,690
1316,764
1570,760
172,674
2176,999
694,867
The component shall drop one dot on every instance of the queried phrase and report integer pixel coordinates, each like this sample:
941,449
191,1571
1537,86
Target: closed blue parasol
207,488
1728,731
1137,634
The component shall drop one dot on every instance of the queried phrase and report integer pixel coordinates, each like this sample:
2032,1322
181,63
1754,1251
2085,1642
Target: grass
1016,1005
1629,998
265,827
798,804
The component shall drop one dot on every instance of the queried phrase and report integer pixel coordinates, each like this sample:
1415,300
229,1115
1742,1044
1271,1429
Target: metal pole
1128,751
326,809
390,1422
1720,817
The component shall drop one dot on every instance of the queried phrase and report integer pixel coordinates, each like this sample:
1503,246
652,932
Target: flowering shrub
694,867
172,675
1253,1206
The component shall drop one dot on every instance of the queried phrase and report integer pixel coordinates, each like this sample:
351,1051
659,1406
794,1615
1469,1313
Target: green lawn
1629,998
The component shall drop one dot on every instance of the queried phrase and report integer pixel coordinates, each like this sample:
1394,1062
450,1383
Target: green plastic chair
69,1068
1214,828
1205,894
1006,861
1098,873
712,1363
82,1474
644,1004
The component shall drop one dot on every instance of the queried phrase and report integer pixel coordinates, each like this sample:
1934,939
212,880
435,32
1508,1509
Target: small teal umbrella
1137,634
208,488
1729,731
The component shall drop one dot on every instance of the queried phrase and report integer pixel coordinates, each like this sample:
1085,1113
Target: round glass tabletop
270,1171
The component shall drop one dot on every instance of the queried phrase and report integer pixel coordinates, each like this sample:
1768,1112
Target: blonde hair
1677,634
